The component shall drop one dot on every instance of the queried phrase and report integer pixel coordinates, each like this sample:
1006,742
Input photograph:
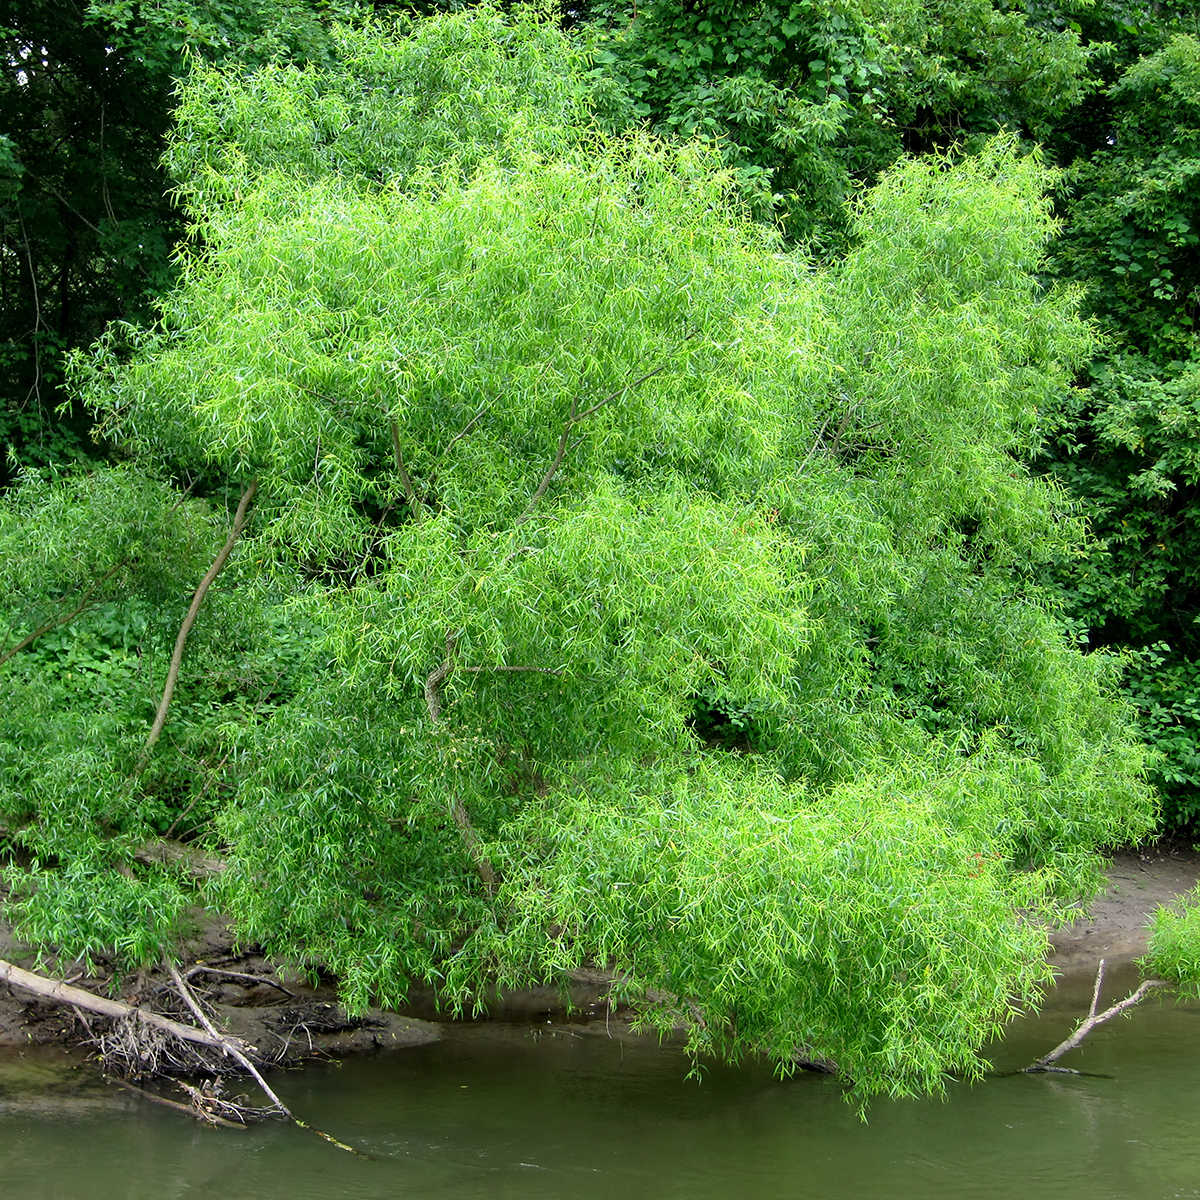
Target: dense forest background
670,486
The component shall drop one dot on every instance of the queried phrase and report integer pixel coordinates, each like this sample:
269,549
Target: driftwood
64,993
191,1110
1045,1063
233,1048
208,1035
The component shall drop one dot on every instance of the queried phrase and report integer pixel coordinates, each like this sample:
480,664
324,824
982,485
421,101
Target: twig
460,434
573,419
160,718
200,969
1090,1022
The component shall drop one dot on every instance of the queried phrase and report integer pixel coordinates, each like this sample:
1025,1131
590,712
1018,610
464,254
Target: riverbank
287,1017
1114,928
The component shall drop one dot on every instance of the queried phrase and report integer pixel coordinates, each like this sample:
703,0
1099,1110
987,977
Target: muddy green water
558,1111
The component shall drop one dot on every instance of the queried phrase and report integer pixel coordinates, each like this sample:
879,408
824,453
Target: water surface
554,1110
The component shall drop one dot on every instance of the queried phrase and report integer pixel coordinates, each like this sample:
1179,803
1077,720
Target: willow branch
458,810
485,670
55,622
409,494
160,718
573,419
462,433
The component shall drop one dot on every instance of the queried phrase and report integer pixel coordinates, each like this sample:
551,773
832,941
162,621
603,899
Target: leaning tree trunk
160,718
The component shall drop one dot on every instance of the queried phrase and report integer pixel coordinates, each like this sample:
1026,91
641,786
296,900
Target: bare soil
1115,925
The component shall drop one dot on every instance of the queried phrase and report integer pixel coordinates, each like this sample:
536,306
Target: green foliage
1131,453
1134,211
807,101
1174,950
555,452
428,95
86,221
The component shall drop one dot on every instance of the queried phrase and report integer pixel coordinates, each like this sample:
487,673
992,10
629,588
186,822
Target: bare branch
817,444
200,969
1045,1063
433,681
841,429
223,1040
1096,989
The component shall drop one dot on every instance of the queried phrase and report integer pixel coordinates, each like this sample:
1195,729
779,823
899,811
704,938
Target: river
555,1110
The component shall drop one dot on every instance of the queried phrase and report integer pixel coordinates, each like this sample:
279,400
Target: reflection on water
503,1111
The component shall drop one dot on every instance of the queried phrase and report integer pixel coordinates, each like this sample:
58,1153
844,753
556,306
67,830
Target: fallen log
64,993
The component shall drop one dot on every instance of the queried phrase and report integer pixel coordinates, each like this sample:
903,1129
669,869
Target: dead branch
201,969
190,1109
63,993
1045,1063
160,718
232,1047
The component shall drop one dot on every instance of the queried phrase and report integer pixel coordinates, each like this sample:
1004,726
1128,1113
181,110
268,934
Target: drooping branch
573,419
160,718
1045,1063
55,622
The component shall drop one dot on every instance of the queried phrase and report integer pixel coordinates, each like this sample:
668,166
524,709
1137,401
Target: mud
1115,925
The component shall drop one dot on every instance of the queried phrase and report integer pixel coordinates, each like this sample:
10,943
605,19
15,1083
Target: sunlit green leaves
558,457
